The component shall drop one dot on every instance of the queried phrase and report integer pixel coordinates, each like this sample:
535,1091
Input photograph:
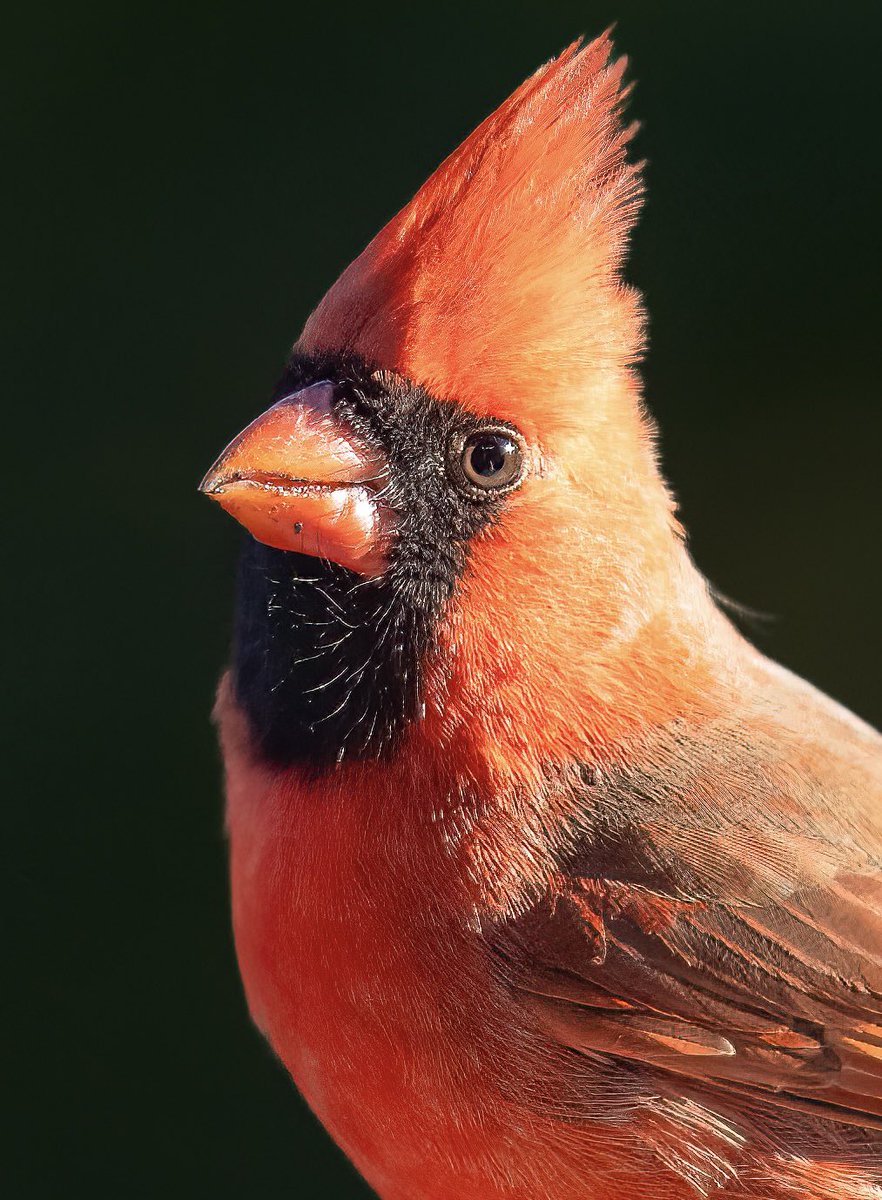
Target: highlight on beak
298,479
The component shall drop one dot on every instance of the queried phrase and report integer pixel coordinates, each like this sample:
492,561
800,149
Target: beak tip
208,483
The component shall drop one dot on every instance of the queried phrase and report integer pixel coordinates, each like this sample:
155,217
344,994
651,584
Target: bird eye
489,460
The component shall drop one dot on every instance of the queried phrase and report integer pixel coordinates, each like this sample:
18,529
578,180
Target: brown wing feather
704,990
718,913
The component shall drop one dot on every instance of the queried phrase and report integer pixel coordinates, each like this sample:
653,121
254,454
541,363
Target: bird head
457,513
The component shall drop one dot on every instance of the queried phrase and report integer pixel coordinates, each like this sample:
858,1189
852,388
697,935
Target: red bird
546,884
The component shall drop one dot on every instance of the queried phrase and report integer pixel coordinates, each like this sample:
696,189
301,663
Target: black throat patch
327,665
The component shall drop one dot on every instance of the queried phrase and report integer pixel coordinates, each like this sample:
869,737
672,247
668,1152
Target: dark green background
183,181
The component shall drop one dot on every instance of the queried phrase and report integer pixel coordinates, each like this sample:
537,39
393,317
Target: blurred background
182,183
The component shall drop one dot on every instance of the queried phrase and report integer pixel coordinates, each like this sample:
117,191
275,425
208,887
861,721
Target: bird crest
504,271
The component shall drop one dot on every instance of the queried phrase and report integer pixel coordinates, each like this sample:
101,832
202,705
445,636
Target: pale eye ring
488,460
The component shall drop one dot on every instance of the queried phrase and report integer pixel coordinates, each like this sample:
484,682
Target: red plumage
480,287
600,915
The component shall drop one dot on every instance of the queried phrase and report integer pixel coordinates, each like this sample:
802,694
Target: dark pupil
489,455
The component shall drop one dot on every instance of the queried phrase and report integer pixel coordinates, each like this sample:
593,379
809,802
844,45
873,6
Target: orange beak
297,479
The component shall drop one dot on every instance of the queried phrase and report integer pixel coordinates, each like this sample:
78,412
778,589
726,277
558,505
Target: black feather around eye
328,666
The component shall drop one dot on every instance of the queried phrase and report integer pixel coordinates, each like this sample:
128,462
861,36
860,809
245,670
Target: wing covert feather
717,916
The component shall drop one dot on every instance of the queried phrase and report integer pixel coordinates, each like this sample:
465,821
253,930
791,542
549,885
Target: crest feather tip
511,251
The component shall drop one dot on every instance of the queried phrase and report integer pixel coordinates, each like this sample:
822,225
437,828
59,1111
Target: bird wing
717,915
784,1000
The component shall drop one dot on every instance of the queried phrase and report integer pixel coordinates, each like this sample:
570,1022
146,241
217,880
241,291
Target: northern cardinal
546,884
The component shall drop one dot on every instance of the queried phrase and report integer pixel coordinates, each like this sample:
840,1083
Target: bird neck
519,691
